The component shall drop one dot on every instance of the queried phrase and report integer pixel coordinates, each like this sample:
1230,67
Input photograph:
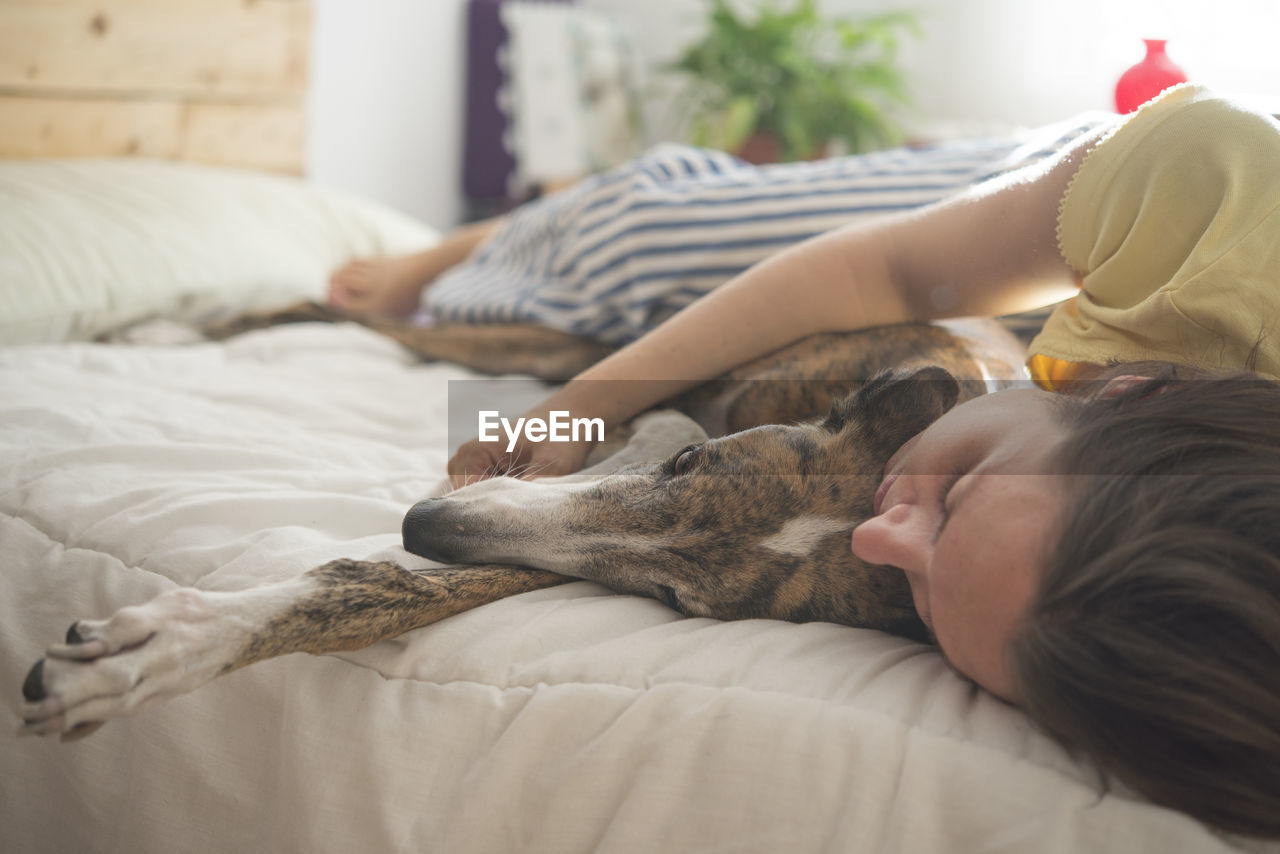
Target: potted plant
785,83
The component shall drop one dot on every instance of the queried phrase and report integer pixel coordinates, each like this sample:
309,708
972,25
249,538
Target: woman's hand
476,460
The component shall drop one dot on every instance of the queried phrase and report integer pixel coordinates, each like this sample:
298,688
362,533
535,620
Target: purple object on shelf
487,165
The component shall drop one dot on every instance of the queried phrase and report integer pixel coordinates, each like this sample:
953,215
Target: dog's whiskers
527,470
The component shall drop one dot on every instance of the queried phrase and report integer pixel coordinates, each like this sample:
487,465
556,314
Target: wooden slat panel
250,136
63,127
260,137
201,48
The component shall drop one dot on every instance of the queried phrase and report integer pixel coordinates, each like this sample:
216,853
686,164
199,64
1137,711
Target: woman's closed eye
945,503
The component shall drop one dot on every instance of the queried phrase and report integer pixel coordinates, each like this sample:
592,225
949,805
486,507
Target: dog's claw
33,685
107,669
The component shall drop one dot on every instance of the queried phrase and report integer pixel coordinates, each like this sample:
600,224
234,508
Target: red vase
1148,78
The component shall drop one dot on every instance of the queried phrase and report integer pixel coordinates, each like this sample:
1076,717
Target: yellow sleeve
1173,222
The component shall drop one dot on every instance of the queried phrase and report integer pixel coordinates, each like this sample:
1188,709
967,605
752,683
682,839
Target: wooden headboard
209,81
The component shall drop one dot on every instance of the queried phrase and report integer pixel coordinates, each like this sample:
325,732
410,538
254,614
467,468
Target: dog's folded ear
895,405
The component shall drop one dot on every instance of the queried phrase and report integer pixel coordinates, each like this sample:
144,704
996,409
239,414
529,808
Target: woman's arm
992,250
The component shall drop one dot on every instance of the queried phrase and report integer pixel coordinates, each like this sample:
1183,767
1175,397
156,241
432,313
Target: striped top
618,253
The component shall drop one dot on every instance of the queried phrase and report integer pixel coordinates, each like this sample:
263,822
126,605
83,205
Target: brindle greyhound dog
753,524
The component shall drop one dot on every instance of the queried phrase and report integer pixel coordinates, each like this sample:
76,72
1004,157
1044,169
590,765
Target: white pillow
87,246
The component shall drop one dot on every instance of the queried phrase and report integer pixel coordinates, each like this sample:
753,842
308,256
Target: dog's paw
109,668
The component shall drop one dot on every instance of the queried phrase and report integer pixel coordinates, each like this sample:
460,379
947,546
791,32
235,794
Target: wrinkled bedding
568,719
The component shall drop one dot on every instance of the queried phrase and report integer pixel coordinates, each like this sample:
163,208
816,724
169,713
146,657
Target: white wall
1006,61
386,103
1000,63
387,93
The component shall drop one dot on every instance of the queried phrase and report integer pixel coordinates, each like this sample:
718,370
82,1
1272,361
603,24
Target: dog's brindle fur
754,524
656,529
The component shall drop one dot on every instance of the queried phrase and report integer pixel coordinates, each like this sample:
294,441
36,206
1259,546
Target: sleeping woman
1104,550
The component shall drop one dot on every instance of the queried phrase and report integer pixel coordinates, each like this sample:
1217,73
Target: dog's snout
499,520
416,530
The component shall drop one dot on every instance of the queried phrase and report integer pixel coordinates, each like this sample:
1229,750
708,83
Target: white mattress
564,720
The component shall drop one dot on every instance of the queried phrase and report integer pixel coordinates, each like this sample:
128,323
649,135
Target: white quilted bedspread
564,720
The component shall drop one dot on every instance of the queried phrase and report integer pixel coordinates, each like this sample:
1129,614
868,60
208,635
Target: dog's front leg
184,638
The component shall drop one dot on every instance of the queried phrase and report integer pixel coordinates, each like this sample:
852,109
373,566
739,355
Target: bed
568,719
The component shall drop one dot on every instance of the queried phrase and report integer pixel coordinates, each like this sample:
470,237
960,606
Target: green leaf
735,123
793,73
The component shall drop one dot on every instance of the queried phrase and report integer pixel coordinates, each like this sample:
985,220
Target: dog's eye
682,462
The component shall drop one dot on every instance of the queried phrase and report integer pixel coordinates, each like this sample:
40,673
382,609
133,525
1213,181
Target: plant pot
763,147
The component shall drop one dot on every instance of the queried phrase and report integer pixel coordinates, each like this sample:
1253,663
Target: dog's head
755,524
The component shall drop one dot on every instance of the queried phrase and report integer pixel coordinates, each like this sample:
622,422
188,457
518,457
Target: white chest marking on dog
800,535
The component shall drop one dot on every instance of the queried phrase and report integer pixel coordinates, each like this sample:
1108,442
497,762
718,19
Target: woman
1107,558
1109,561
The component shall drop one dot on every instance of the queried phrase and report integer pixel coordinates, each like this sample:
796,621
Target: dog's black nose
416,530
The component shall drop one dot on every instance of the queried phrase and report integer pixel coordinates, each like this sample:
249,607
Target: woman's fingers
478,460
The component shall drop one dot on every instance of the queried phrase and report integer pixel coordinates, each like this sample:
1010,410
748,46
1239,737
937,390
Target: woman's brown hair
1153,642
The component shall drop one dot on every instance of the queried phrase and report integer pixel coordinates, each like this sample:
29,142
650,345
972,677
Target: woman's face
968,509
